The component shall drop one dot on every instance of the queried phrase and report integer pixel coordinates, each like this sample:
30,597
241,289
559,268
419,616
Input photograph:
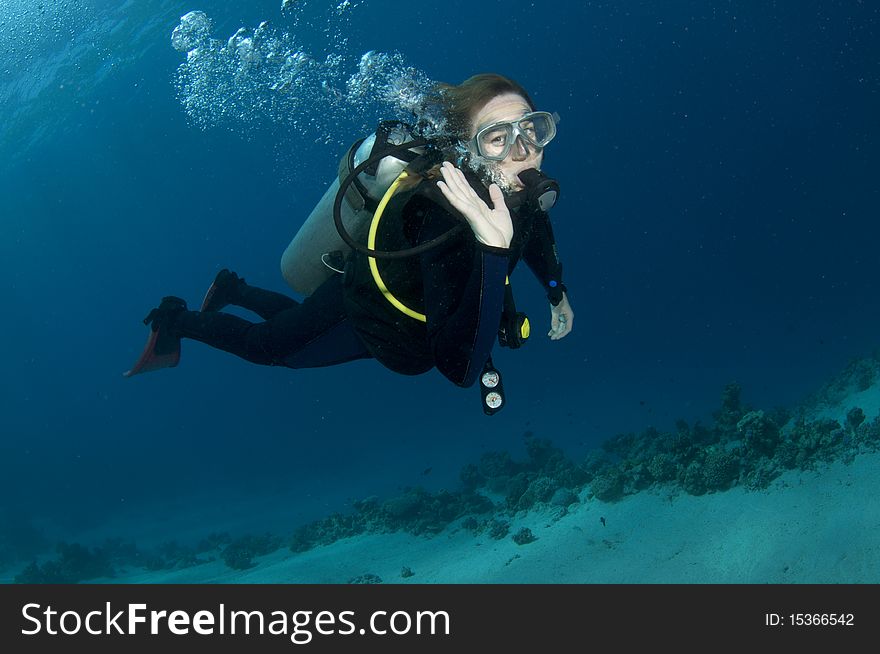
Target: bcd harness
393,138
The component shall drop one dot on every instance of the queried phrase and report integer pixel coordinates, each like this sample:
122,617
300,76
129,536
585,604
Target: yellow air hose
371,243
374,268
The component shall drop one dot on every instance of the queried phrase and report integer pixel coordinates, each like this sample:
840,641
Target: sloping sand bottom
809,527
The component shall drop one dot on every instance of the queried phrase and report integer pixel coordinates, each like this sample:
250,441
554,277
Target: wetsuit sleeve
542,258
464,297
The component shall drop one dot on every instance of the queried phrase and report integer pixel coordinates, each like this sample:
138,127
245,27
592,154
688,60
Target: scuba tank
317,249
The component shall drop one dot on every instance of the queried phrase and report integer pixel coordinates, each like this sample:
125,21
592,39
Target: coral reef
536,480
608,486
546,477
859,375
76,563
239,554
524,536
497,529
416,511
744,446
854,418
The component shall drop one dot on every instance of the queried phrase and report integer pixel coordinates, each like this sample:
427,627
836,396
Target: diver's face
522,156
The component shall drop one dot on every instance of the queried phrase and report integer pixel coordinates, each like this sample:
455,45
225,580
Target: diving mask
537,128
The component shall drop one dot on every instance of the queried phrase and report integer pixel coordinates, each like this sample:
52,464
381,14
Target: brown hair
461,103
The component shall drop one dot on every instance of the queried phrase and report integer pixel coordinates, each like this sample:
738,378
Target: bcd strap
356,194
389,134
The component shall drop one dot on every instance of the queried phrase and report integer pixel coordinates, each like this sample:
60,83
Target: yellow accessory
371,243
525,329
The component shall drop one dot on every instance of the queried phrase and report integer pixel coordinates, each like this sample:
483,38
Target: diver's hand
561,319
491,226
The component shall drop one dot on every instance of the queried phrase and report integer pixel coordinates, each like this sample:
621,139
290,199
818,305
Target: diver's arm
542,258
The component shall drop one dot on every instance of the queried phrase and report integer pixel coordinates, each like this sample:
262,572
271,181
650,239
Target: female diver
442,308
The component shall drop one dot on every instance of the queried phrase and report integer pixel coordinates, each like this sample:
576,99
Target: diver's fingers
497,197
554,327
447,171
455,199
463,199
456,180
560,325
491,227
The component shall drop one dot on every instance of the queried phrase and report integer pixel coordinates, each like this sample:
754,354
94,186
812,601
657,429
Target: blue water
718,222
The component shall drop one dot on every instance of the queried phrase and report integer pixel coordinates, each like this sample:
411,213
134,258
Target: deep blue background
718,222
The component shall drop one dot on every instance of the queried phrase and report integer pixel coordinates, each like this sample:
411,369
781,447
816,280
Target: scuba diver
445,219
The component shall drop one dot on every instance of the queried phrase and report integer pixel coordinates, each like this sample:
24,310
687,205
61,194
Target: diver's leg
228,288
312,334
266,304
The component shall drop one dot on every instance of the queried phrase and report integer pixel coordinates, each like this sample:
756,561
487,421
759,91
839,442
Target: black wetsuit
459,286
